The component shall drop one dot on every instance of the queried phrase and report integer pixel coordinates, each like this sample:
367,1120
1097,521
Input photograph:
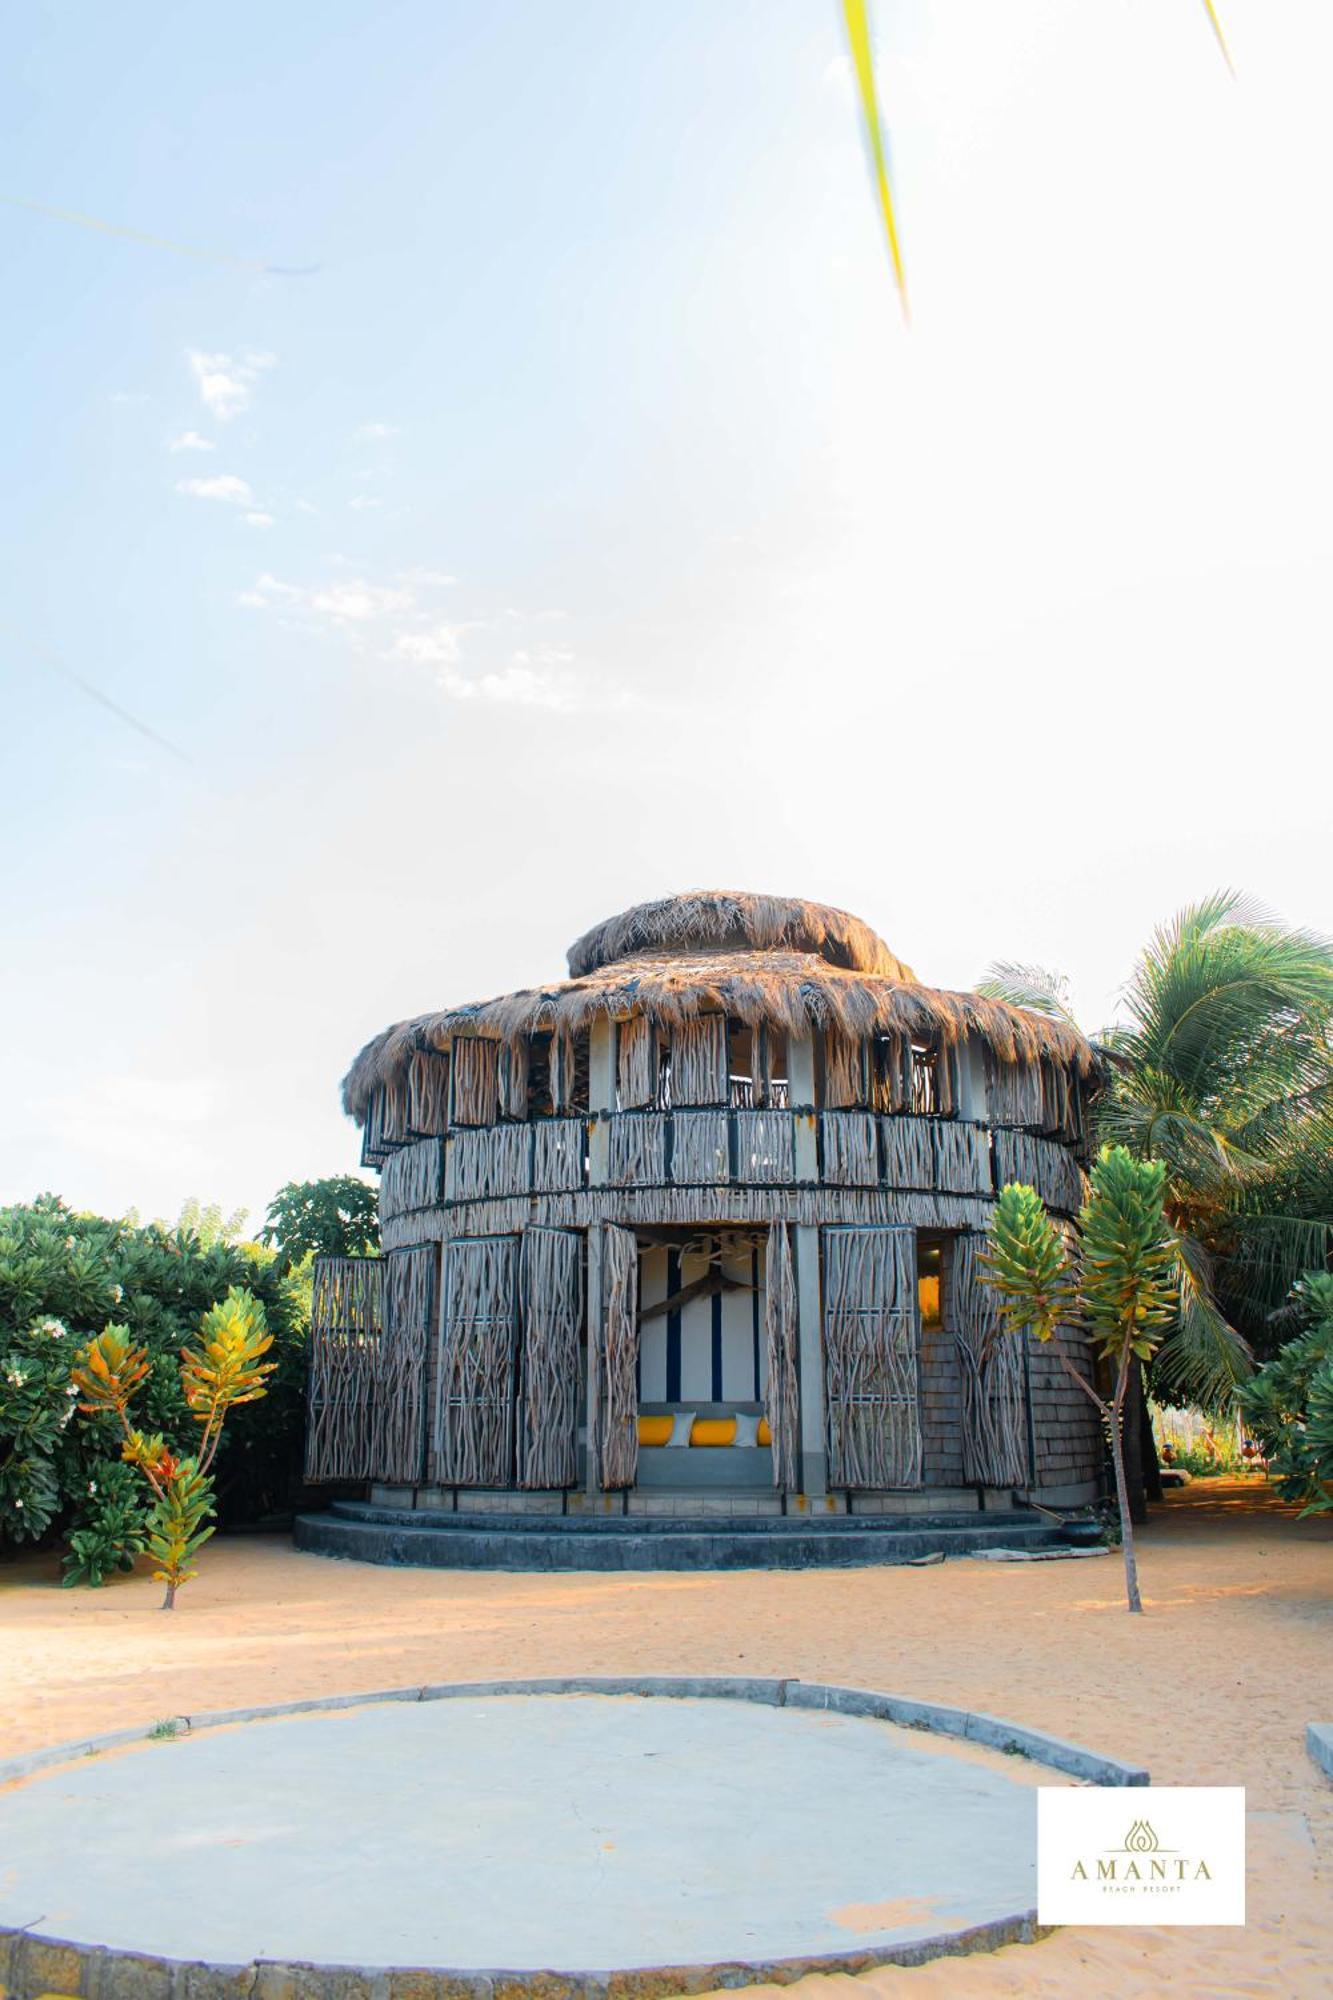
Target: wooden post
601,1098
805,1252
593,1465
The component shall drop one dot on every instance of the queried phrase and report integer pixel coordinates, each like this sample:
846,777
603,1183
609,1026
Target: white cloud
258,520
355,602
438,645
515,686
224,486
378,431
364,501
135,1120
227,382
429,579
190,441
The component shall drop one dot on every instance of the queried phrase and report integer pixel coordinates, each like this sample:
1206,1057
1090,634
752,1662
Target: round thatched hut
693,1234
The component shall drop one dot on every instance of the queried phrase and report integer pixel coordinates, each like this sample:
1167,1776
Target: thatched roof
795,965
730,920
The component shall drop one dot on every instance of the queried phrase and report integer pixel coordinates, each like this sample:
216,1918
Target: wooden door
474,1424
870,1358
551,1290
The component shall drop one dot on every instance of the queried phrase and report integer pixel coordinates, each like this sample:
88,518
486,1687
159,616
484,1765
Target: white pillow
747,1428
682,1423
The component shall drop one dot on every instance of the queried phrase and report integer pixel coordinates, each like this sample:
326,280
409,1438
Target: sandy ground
1213,1686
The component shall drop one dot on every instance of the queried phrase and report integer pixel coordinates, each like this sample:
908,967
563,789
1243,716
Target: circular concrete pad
526,1832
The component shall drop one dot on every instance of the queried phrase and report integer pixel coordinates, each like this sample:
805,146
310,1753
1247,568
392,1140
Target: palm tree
1223,1070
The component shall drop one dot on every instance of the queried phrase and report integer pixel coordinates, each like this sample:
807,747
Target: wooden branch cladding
551,1279
700,1148
870,1348
991,1369
559,1149
1041,1095
1043,1164
936,1153
781,1396
476,1080
428,1094
490,1160
580,1208
765,1146
474,1424
638,1149
413,1178
370,1324
618,1402
637,1063
850,1148
346,1329
699,1060
398,1427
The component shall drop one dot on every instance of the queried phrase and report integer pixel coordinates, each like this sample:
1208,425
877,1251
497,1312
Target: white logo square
1166,1854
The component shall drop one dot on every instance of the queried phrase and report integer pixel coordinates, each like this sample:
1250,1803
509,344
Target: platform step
361,1532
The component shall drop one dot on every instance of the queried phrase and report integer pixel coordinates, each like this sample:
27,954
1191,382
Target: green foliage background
63,1276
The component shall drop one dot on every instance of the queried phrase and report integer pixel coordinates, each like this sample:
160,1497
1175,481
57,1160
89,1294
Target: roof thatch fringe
793,991
732,920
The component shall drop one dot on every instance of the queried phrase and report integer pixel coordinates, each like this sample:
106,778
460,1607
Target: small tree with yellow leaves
226,1369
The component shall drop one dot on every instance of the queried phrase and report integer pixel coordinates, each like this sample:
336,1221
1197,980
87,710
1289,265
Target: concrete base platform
719,1539
575,1839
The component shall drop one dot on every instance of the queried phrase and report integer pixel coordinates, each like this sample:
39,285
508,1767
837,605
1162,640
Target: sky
504,489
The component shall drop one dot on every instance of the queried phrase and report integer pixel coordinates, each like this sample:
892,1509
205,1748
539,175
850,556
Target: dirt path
1213,1686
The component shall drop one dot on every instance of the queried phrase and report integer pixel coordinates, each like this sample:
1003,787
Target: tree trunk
1122,1490
1135,1410
169,1601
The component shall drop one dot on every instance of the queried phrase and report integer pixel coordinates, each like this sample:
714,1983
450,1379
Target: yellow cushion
654,1430
713,1430
764,1434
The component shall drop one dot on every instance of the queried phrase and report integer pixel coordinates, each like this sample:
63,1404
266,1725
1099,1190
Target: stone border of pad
58,1969
1319,1743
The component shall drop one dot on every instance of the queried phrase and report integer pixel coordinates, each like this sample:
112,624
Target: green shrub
1289,1404
63,1277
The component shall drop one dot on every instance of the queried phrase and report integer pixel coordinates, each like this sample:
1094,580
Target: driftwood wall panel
474,1427
851,1148
1042,1164
398,1429
699,1148
476,1080
699,1060
781,1395
618,1402
991,1362
962,1158
412,1178
513,1079
870,1322
428,1094
551,1279
638,1150
909,1152
844,1070
346,1329
558,1149
765,1146
490,1161
636,1063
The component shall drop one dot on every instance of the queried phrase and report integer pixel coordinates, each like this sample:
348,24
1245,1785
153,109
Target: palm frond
1203,1359
1030,986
